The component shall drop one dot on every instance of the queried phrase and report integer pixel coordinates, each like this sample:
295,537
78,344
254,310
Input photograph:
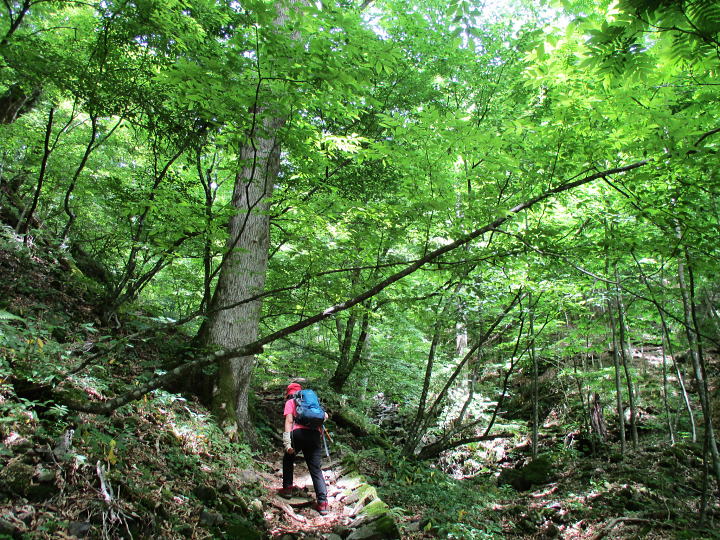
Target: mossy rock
366,492
376,507
384,527
241,528
537,472
17,476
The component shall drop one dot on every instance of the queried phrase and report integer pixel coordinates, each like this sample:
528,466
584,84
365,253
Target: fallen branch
285,507
435,449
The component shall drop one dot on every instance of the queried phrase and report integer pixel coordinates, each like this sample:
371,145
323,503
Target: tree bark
347,363
535,375
242,276
23,229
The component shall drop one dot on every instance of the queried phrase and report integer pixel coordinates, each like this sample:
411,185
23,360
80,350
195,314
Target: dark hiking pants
307,441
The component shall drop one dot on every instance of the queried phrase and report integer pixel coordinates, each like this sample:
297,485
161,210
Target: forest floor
160,467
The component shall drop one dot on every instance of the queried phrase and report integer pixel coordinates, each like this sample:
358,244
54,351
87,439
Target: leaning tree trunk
234,322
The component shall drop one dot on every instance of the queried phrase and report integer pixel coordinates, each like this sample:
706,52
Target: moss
366,492
241,528
375,508
17,476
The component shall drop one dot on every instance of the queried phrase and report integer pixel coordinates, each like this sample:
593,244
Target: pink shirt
290,408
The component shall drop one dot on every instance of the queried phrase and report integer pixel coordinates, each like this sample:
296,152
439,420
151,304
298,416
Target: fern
7,316
704,15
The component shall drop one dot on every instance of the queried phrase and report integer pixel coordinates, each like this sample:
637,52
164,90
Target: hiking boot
288,492
322,508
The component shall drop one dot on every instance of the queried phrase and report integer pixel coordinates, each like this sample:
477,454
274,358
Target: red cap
292,388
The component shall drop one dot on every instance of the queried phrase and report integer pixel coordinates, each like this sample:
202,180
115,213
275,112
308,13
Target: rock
205,494
536,472
17,476
238,527
341,530
248,477
299,502
79,529
350,499
348,483
210,519
332,536
63,445
378,529
374,508
364,494
45,475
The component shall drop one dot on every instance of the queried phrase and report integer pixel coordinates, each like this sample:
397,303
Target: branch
706,135
256,346
434,449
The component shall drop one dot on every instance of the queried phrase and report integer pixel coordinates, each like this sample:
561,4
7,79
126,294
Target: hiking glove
287,442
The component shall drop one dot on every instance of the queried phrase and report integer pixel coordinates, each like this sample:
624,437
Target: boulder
383,527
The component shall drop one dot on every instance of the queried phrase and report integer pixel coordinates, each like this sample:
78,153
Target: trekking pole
324,438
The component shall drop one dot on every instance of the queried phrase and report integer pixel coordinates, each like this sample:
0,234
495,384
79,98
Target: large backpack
308,411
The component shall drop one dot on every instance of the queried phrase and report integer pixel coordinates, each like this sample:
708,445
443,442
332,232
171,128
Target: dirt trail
297,514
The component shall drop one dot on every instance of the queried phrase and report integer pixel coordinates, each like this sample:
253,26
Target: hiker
299,438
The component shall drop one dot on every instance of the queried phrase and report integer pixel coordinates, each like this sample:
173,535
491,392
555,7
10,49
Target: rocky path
355,510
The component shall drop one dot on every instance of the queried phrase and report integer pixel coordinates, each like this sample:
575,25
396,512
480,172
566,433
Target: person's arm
287,441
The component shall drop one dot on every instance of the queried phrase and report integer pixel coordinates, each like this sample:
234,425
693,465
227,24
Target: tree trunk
616,361
347,363
697,356
535,375
666,342
622,337
233,323
597,421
